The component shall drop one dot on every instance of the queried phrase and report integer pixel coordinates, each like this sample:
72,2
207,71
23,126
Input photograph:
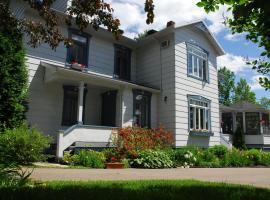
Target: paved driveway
253,176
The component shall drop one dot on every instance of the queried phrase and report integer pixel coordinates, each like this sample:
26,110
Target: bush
239,139
12,175
90,158
111,153
22,145
219,151
237,158
130,141
207,158
70,159
255,156
186,157
13,73
152,159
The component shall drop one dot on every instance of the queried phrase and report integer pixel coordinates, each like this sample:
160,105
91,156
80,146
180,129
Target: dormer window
197,62
122,62
78,52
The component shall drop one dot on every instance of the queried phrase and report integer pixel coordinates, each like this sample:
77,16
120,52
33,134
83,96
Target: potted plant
75,65
115,163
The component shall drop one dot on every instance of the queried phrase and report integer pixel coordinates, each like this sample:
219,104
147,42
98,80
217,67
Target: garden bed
118,190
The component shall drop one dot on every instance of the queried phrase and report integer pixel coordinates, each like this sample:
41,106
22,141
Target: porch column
234,121
80,103
261,125
244,122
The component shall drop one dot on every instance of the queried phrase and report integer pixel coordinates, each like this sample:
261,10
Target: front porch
94,105
252,119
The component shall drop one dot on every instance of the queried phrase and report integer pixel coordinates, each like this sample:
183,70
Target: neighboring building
252,119
168,78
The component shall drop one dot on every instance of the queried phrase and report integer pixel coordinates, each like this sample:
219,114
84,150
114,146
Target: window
142,108
252,123
197,62
227,123
122,62
199,114
78,52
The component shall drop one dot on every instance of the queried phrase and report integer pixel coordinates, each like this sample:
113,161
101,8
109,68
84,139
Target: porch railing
266,131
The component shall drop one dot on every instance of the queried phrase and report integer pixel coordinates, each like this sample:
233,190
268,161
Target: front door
70,106
108,113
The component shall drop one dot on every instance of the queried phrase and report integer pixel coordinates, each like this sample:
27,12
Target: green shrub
207,158
92,159
22,145
219,151
13,73
265,159
239,139
185,157
12,175
109,153
237,158
152,159
70,159
255,156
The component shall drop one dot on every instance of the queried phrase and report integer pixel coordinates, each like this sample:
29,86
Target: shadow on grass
139,190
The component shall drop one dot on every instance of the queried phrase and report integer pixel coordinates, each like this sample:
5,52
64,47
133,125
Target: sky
132,16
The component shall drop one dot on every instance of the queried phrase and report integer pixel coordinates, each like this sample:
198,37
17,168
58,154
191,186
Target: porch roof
56,71
243,107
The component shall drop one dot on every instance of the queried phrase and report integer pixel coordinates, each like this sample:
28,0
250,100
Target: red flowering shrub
130,140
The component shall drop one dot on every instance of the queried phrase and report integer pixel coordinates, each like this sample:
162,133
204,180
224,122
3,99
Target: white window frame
198,56
198,106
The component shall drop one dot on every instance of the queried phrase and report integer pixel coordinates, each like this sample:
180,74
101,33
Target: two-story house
169,78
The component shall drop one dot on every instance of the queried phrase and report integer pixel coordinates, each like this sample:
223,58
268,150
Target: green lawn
152,189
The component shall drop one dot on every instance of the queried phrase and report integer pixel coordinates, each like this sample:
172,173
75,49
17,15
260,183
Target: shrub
239,139
207,158
12,175
22,145
265,159
219,151
255,156
70,159
152,159
237,158
13,73
92,159
132,140
186,157
111,153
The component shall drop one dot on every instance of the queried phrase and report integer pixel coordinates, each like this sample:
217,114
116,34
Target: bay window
197,62
199,114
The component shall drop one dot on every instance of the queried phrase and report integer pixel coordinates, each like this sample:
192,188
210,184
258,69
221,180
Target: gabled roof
200,24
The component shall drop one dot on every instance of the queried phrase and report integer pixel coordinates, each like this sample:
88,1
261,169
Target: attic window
197,62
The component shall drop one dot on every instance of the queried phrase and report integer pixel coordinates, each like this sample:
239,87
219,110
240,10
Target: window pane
191,117
79,38
122,62
190,57
204,70
200,68
207,119
197,118
202,118
195,66
252,123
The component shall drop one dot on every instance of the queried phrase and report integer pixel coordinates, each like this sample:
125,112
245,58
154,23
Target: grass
133,190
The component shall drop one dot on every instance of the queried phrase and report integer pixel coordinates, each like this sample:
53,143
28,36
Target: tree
81,14
13,75
265,102
225,85
250,17
243,92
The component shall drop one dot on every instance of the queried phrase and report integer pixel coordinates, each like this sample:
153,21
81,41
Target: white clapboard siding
185,85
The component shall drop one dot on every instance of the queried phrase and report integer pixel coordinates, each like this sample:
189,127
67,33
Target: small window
78,52
199,115
122,62
197,62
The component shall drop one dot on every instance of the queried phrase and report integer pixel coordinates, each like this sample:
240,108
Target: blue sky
132,17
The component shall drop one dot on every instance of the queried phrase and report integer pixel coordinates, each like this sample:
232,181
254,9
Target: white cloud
255,85
234,63
132,16
234,37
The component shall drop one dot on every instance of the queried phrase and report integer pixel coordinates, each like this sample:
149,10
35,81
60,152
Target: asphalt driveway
252,176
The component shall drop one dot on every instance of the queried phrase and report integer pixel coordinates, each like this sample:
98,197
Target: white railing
225,139
82,133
